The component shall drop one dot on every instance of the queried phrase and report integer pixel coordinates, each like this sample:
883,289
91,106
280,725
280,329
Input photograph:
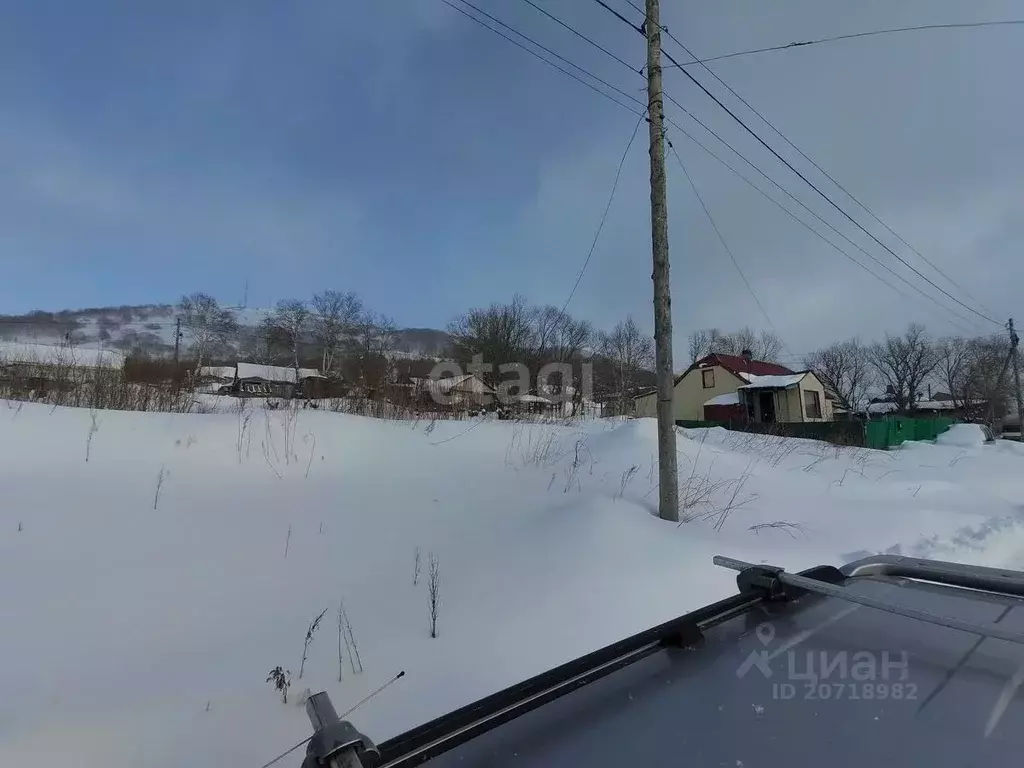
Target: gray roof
275,373
891,689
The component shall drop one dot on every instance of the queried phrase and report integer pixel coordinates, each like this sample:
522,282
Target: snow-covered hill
152,326
147,595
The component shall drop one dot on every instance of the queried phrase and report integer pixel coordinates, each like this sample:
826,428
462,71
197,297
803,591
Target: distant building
54,355
27,369
739,387
252,380
460,391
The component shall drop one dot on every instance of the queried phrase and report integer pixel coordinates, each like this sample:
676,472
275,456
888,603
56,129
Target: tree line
972,371
341,336
337,333
900,369
619,361
333,331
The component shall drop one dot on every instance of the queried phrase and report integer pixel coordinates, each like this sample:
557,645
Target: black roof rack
766,593
774,580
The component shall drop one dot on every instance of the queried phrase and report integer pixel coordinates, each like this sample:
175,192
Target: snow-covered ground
148,591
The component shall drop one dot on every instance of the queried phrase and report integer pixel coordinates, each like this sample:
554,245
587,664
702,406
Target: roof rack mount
772,580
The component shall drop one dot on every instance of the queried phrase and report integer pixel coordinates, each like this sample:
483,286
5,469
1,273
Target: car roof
814,680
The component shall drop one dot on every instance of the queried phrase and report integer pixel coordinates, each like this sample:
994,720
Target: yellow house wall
646,406
689,396
790,403
810,382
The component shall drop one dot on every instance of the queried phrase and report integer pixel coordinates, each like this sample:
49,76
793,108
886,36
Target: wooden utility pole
668,476
1014,342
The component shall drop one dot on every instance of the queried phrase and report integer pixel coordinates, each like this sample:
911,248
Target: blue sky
393,148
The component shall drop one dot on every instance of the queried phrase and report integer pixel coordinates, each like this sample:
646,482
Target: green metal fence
896,430
837,432
886,433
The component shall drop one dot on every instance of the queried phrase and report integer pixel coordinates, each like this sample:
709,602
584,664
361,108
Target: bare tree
287,326
519,333
954,366
372,341
557,338
702,342
987,386
500,333
257,345
765,345
844,369
206,324
630,353
334,317
904,363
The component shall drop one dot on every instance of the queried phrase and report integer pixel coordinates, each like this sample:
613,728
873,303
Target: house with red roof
721,387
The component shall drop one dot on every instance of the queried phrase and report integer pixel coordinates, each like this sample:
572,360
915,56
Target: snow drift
155,567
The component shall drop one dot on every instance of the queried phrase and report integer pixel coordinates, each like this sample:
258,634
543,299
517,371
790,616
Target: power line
725,245
582,36
670,98
931,305
729,167
604,216
851,36
638,8
533,53
810,210
547,50
621,17
811,184
828,199
819,168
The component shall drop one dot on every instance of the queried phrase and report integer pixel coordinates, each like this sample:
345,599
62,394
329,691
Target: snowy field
154,568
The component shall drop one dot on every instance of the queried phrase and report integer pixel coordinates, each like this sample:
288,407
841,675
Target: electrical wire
931,305
832,202
533,53
851,36
547,50
811,184
616,13
604,216
815,214
582,36
733,170
818,167
725,245
669,97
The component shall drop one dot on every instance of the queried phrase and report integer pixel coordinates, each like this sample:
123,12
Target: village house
458,391
212,378
252,380
39,368
721,387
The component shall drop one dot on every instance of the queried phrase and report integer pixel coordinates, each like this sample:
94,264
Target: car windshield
400,352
